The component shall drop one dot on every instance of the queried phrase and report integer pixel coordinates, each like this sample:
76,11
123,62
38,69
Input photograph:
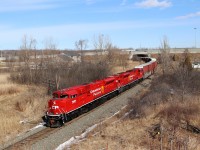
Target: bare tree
26,49
50,44
123,60
165,55
28,45
81,45
183,74
102,42
112,55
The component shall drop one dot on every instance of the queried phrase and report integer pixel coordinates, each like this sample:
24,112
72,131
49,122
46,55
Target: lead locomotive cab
63,104
55,115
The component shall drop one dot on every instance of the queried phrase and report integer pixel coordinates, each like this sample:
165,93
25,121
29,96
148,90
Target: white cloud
153,3
68,33
79,29
191,15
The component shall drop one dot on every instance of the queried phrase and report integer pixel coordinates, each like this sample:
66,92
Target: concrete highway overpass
156,51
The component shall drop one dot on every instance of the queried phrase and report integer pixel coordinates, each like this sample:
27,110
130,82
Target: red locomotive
70,102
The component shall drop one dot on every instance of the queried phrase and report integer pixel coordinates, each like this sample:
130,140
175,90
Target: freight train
70,102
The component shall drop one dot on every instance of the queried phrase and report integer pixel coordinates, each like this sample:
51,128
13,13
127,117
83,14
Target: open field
21,107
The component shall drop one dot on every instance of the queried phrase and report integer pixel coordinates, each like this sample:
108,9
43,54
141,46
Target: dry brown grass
9,89
19,103
117,134
6,87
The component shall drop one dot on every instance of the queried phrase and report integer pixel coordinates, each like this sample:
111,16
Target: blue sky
128,23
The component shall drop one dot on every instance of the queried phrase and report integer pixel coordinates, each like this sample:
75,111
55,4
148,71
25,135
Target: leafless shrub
184,79
87,72
68,75
176,114
137,108
175,57
164,57
115,57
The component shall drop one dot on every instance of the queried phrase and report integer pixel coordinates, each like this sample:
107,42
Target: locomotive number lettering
55,107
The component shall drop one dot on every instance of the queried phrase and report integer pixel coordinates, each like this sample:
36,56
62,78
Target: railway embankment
53,138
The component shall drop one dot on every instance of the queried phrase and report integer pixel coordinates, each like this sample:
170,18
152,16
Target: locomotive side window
64,96
74,96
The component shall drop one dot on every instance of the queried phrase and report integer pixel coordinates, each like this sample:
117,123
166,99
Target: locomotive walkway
50,138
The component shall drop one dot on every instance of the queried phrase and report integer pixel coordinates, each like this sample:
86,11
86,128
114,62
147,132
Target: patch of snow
126,114
75,139
124,107
38,126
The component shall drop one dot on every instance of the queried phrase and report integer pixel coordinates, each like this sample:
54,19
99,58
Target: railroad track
46,132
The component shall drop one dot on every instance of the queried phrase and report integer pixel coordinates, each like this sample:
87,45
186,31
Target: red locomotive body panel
111,84
124,78
133,76
54,106
139,73
129,77
96,90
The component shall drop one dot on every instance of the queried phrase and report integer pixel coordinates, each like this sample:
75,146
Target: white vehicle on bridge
196,65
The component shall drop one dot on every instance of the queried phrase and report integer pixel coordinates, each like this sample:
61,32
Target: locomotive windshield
64,96
55,95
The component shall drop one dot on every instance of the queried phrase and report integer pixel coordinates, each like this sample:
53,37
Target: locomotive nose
53,107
